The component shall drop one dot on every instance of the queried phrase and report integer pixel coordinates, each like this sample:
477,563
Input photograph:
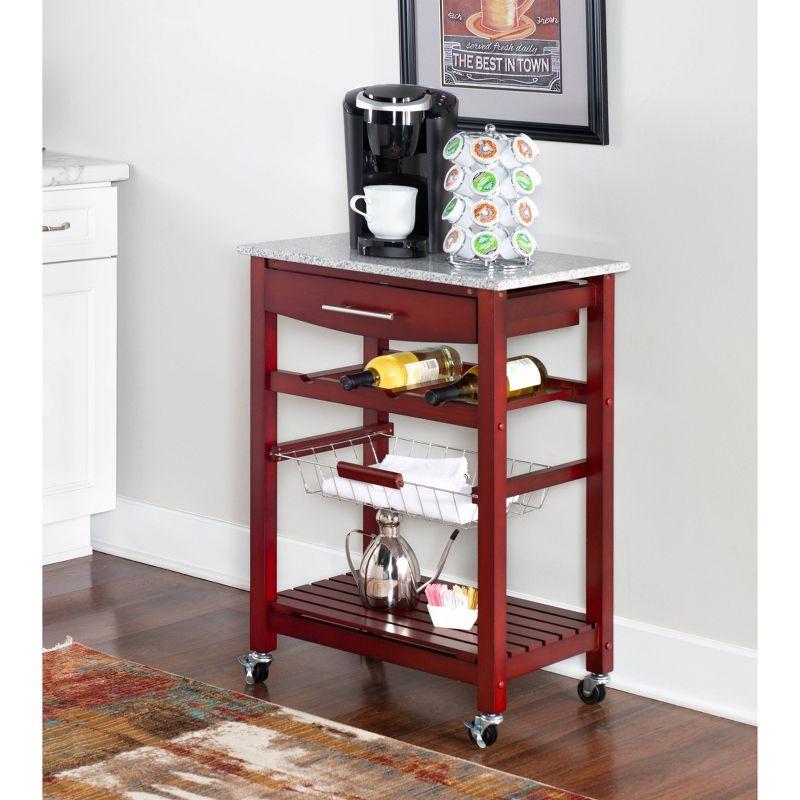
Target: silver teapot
388,576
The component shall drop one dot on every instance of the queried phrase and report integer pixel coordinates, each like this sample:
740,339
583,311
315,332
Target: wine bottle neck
437,396
365,378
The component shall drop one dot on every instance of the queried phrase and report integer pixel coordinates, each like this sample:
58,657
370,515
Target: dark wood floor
628,747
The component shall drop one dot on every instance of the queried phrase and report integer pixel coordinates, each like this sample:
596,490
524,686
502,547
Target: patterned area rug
115,729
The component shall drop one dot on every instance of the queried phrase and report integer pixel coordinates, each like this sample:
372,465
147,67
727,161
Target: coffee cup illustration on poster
502,44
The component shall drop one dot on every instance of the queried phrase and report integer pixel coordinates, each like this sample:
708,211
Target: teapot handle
353,570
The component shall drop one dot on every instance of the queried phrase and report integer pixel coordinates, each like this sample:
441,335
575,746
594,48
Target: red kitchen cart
513,636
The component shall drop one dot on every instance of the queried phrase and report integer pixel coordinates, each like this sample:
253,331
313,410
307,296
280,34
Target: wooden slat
307,445
522,634
531,627
416,620
545,300
545,322
419,618
574,620
578,388
339,614
526,628
329,600
584,642
566,613
543,478
534,618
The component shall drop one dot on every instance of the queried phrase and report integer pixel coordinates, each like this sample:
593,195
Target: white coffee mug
391,209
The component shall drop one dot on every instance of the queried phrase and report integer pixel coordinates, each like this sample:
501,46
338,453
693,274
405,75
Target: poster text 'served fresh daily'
502,44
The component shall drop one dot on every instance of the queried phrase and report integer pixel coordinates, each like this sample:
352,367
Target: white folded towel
440,473
412,499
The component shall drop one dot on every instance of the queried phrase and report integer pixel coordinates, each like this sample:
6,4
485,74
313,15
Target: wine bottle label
521,373
425,371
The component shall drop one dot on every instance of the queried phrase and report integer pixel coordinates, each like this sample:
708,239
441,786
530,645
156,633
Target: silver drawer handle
64,226
358,312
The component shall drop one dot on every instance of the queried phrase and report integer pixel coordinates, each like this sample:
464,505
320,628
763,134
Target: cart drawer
369,309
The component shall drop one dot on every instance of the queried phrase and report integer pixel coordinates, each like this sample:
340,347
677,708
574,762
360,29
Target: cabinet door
79,387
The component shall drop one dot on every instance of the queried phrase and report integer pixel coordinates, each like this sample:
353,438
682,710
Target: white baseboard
66,539
667,665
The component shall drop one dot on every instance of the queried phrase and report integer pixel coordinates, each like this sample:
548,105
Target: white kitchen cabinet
79,343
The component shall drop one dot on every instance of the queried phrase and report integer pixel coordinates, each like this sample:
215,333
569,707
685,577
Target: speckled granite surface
334,251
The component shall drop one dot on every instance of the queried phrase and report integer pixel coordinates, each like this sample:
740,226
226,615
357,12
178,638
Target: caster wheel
489,735
597,695
484,739
255,671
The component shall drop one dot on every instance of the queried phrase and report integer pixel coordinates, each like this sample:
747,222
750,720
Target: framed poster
537,66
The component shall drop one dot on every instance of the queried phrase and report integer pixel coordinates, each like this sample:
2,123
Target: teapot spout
442,559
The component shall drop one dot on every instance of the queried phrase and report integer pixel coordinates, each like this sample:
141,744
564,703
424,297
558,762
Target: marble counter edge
497,283
64,169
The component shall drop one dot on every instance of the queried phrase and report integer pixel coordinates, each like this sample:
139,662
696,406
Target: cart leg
491,510
600,482
373,347
263,477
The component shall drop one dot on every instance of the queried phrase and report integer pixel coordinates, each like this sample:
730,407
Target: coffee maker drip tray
410,247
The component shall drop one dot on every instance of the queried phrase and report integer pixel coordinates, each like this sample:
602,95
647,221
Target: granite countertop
334,251
62,169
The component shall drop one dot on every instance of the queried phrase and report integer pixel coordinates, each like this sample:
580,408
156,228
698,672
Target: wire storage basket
417,478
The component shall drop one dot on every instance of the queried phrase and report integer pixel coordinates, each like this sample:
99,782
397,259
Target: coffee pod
521,181
521,150
456,209
457,242
454,178
485,150
485,182
519,245
457,150
486,245
486,212
535,177
519,212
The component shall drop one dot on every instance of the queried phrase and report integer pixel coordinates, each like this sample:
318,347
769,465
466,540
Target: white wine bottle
400,371
524,375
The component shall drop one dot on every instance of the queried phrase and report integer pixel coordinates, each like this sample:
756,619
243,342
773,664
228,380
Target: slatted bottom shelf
330,611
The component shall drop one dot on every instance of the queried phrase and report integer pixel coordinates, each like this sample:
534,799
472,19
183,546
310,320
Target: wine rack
512,637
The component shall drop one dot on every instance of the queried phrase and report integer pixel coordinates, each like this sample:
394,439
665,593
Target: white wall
206,101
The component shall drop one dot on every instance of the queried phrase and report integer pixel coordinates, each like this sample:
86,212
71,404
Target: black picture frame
595,132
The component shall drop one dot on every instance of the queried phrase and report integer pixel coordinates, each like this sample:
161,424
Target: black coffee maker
394,134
